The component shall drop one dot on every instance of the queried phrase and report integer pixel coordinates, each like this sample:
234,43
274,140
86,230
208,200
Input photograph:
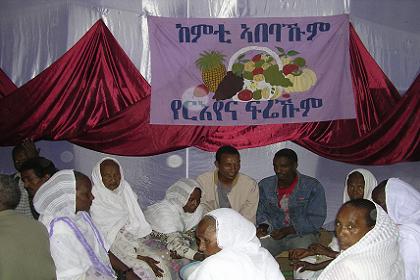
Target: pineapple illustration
212,68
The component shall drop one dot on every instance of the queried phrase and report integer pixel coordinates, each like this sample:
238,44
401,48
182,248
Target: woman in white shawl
119,217
368,241
359,183
402,202
77,246
232,249
173,219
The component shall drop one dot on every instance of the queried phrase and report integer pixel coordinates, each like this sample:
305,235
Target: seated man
402,202
21,153
292,206
232,249
25,248
368,241
35,172
225,187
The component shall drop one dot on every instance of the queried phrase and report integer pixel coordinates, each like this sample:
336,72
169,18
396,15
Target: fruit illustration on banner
301,77
213,70
254,74
200,91
302,82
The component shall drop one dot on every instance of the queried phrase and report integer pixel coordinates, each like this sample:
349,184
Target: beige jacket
243,197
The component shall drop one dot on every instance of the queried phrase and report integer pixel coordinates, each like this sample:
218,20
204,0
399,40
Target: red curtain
90,83
6,85
94,96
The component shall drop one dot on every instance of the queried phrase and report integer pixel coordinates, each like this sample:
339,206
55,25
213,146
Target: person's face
284,168
206,238
355,185
110,173
19,158
193,201
379,196
350,226
84,196
32,182
228,166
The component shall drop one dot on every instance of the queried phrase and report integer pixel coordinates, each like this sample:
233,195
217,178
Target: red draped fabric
6,85
94,96
90,83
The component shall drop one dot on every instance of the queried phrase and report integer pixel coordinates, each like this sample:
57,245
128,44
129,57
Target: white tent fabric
33,34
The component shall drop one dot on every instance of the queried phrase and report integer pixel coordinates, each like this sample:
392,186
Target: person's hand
30,149
174,255
199,257
320,249
130,275
278,234
262,230
302,266
299,253
153,265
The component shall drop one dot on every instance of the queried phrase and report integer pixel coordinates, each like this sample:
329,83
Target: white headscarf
403,205
55,201
375,256
402,202
168,216
56,197
370,184
113,210
242,256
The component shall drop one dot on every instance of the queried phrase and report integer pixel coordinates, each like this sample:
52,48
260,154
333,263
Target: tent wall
44,30
33,34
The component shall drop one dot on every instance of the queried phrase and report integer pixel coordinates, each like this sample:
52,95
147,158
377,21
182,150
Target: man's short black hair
9,193
287,153
18,149
367,205
226,150
40,165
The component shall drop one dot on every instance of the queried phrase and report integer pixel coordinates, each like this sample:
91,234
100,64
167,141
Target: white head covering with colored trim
168,215
56,197
113,210
76,244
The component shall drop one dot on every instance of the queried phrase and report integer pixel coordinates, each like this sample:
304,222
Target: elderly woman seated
76,244
368,241
173,221
232,250
119,217
309,262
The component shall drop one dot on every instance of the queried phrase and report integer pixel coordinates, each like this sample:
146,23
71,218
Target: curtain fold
6,85
90,83
94,96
